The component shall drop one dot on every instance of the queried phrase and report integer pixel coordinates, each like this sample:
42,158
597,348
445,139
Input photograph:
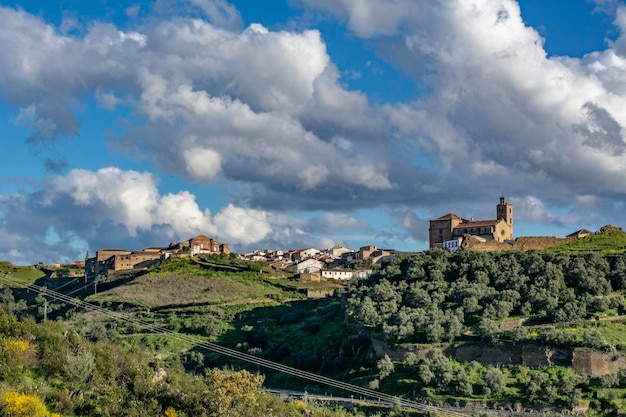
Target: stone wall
489,246
589,362
595,364
320,293
521,243
527,355
539,242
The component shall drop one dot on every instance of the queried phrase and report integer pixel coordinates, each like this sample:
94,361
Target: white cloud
261,106
495,97
267,106
202,164
242,225
112,207
181,212
266,112
130,197
367,18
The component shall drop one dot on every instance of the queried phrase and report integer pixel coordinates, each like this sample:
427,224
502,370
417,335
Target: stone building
107,261
451,227
202,244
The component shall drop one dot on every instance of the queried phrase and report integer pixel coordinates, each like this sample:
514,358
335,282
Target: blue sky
301,123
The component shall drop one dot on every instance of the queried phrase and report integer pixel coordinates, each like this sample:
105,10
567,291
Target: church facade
444,231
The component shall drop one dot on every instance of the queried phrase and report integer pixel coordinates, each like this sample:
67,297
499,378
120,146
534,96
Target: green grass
159,343
183,284
173,289
611,243
614,333
24,273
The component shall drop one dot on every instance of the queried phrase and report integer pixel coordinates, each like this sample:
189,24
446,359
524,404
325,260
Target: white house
338,274
301,254
337,251
453,245
308,266
345,274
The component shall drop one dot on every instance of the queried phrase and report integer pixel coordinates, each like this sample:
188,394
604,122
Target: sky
288,124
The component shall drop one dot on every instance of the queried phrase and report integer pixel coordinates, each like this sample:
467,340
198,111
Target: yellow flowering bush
300,406
16,404
16,356
170,412
18,350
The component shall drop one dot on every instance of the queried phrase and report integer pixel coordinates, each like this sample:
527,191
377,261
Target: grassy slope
176,289
606,243
182,287
181,284
25,273
246,304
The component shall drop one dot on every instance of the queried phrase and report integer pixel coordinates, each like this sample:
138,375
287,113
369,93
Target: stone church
448,231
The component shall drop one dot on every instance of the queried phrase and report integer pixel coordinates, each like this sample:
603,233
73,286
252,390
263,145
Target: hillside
182,296
535,330
47,370
514,327
25,273
181,283
607,240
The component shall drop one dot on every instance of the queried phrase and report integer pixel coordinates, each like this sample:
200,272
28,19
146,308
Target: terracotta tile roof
449,216
200,237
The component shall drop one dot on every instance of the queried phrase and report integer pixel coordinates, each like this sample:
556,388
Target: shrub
15,404
170,412
15,357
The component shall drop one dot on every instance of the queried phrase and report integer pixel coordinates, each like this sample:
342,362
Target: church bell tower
504,211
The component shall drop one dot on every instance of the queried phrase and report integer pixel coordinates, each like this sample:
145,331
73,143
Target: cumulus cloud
267,112
252,105
116,208
498,109
242,225
202,164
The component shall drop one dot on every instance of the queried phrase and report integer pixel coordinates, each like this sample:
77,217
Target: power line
355,389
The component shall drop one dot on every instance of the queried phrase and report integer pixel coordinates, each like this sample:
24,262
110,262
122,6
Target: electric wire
355,389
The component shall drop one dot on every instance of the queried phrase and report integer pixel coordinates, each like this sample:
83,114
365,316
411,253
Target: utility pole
45,310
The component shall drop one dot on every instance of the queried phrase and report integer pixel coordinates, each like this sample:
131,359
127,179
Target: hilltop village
337,263
452,232
449,232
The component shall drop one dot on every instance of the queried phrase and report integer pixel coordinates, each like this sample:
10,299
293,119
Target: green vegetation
182,283
49,371
436,302
608,240
25,273
401,331
436,297
310,335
